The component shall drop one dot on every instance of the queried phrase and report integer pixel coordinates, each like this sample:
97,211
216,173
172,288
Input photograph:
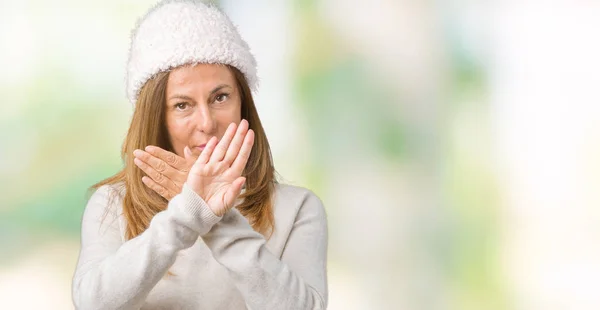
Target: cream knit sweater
217,263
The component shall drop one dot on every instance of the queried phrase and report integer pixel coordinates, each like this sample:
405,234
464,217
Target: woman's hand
216,176
166,171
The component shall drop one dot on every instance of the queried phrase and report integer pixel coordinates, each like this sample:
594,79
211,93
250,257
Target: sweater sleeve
296,281
112,274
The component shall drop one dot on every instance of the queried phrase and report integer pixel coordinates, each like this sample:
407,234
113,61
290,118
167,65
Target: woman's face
202,100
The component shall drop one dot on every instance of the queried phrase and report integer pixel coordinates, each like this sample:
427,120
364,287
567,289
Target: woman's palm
216,176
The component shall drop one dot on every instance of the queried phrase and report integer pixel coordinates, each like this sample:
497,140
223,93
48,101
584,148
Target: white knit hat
179,32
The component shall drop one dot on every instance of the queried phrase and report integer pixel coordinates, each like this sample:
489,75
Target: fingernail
137,153
148,148
136,161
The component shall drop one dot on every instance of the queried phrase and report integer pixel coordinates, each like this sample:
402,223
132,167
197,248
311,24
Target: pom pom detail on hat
180,32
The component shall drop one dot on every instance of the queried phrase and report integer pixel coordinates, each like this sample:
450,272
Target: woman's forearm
111,275
265,281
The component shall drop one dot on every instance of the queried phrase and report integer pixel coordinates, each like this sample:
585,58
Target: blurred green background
455,144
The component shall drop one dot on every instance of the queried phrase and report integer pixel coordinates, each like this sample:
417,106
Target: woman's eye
220,98
181,105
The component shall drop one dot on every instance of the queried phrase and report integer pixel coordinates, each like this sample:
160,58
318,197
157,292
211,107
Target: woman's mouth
200,147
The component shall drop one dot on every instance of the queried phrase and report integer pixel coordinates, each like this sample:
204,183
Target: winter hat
180,32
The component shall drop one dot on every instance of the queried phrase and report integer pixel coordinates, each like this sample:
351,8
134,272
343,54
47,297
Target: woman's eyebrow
184,97
216,89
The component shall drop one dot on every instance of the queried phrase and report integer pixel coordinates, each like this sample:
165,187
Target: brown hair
147,127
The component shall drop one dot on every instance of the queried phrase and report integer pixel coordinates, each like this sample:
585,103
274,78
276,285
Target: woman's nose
205,120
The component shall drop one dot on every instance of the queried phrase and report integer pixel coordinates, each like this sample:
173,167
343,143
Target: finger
234,191
236,143
207,151
188,155
242,157
157,188
155,175
156,163
171,159
189,159
221,148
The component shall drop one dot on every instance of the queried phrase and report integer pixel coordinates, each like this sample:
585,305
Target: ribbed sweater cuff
198,210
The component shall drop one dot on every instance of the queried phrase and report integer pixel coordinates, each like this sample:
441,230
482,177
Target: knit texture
179,32
214,262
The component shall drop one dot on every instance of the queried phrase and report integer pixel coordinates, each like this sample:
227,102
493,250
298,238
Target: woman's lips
199,148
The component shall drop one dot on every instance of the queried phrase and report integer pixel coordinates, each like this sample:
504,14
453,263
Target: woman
196,220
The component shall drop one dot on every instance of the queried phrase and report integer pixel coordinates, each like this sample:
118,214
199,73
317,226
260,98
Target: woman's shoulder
107,199
111,193
294,200
117,189
293,192
103,211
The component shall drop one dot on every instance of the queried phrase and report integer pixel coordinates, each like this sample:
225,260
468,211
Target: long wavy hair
148,127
